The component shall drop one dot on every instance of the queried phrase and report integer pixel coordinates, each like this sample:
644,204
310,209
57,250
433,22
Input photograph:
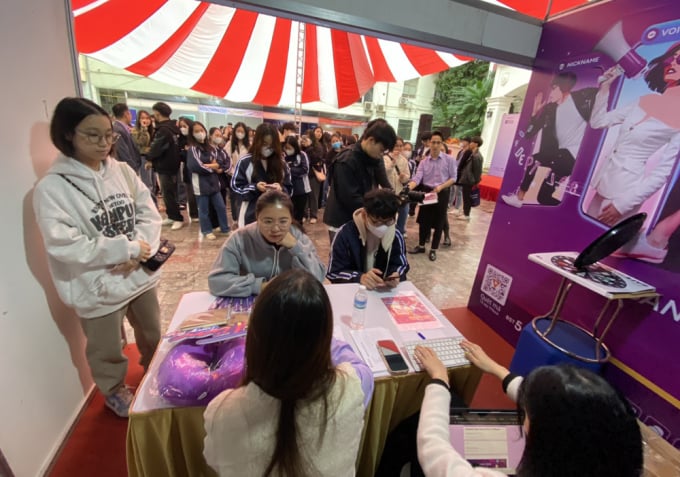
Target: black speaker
424,125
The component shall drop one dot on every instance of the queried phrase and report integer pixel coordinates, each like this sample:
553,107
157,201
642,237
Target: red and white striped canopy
244,56
241,55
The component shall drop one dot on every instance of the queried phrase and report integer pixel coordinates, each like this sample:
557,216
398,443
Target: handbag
475,198
165,251
320,176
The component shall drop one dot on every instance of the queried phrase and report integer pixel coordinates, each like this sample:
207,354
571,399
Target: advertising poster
598,142
503,144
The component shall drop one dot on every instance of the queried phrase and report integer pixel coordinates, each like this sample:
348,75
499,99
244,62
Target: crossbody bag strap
100,203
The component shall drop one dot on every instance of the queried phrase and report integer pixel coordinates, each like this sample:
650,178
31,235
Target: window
368,97
109,97
404,129
410,88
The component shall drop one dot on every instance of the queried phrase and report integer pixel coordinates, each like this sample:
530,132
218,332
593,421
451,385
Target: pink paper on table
410,313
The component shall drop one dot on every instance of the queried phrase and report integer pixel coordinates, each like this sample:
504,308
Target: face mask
217,141
184,131
337,145
240,135
406,154
379,231
200,137
266,151
290,152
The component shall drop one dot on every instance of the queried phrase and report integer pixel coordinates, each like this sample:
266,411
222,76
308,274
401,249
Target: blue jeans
204,202
402,215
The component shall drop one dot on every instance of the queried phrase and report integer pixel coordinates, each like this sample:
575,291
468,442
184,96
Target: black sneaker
447,241
417,249
433,255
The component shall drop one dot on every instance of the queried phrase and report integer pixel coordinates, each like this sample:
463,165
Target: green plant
460,98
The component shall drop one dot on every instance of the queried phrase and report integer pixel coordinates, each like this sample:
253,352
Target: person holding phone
369,249
300,409
574,422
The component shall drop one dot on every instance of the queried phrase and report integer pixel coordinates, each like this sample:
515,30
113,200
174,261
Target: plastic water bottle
359,309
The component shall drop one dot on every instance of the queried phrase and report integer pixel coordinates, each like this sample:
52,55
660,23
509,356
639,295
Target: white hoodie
83,246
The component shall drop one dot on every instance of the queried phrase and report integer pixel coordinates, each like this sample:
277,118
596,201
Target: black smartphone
395,362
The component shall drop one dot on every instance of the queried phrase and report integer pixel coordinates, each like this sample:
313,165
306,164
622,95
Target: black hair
163,109
578,425
293,308
68,113
381,132
119,110
234,140
273,197
426,136
275,166
381,203
655,74
466,138
565,81
289,126
437,133
292,141
476,139
205,145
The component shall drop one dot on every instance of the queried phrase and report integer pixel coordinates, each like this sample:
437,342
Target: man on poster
562,119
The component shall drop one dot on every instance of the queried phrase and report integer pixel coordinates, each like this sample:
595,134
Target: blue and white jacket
204,180
348,253
244,182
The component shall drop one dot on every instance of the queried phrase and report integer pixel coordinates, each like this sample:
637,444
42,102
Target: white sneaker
119,402
640,249
513,200
167,222
210,236
177,225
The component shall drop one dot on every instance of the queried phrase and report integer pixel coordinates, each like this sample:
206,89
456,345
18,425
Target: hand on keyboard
448,350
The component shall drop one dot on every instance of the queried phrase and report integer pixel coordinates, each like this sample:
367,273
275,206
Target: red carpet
490,187
97,444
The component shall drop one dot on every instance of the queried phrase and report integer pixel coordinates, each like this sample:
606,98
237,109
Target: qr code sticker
496,284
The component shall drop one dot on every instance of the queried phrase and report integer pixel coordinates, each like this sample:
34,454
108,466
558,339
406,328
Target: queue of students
300,409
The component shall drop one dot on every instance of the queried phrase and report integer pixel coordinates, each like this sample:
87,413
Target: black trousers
169,191
299,207
467,199
433,216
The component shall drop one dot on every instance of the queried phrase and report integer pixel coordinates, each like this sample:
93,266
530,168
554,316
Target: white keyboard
448,350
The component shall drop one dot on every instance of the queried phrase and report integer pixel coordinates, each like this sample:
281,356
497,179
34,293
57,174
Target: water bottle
359,309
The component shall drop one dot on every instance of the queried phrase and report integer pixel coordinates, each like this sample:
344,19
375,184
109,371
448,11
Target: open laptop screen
487,438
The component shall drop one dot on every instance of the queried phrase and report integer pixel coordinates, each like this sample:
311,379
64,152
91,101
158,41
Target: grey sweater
246,260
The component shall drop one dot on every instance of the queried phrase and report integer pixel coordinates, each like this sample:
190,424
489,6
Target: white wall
42,367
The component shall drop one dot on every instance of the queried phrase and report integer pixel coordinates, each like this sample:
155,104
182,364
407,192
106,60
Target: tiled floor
446,282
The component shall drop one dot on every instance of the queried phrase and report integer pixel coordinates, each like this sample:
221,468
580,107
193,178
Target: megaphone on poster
614,45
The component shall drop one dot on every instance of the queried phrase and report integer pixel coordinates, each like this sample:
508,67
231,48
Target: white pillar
495,109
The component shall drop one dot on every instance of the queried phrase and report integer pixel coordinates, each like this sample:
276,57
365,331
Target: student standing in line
98,223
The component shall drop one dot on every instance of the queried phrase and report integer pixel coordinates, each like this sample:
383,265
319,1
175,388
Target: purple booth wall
509,290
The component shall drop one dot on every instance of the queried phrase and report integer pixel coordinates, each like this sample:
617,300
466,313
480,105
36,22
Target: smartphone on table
395,362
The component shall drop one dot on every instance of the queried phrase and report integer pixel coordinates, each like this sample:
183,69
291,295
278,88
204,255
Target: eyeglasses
270,223
94,138
379,222
672,59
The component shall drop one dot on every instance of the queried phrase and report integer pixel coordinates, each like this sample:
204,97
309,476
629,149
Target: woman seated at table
256,253
300,409
574,422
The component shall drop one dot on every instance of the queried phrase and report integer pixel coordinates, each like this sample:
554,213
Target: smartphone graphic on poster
395,362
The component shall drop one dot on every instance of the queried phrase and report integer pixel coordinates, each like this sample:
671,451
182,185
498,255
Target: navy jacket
348,256
204,181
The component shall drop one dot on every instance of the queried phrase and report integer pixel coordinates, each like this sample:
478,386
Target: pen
422,336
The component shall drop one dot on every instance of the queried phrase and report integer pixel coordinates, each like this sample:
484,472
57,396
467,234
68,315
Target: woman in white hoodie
99,225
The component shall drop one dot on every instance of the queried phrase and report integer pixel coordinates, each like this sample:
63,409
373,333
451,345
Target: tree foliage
460,98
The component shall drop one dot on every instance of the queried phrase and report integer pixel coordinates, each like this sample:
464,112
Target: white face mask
407,154
266,151
184,131
379,231
217,140
200,137
240,135
290,152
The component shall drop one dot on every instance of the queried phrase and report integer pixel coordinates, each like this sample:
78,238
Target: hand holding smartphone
395,362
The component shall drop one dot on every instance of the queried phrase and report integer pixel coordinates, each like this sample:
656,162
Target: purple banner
597,142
